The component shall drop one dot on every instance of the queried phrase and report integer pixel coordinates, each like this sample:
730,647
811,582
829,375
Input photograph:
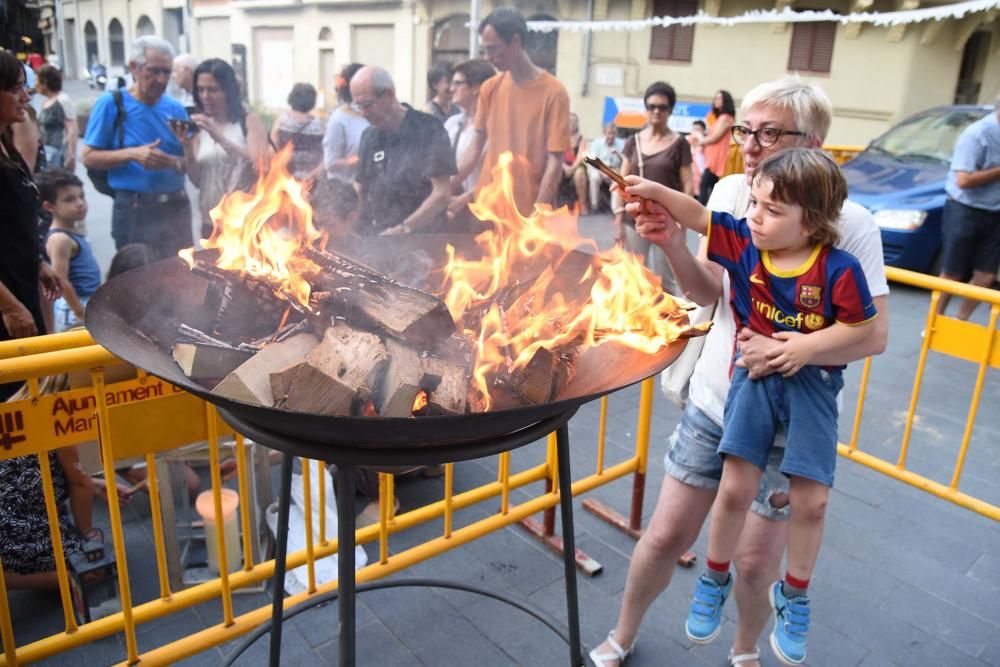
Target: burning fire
261,232
626,303
509,303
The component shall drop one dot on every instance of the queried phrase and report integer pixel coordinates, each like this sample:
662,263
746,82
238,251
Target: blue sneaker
791,626
705,616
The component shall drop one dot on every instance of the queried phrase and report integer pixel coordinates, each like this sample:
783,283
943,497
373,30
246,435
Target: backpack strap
119,125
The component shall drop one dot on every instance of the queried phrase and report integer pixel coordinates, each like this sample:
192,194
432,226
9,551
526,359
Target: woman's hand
206,124
754,350
18,321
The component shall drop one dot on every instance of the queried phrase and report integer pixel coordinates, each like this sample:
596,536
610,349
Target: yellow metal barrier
954,338
167,418
842,153
145,416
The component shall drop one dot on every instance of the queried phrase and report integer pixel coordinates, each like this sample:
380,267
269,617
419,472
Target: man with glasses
129,137
524,110
405,161
775,116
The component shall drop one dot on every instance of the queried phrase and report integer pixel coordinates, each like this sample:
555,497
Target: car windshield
929,136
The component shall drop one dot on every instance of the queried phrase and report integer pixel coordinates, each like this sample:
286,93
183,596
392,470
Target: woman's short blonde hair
811,179
809,104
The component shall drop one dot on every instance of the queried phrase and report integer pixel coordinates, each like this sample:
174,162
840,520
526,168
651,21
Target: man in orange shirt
524,110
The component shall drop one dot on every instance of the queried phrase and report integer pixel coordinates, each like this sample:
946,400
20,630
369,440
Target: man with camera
131,148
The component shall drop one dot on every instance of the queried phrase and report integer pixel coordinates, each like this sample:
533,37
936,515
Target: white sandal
620,654
736,660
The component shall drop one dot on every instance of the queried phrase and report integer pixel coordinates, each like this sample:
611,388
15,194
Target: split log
251,382
401,382
342,370
445,379
372,300
201,361
546,375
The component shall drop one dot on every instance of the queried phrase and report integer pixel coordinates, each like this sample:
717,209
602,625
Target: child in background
698,130
789,282
335,207
66,245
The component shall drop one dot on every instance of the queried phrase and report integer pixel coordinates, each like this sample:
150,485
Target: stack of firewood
365,345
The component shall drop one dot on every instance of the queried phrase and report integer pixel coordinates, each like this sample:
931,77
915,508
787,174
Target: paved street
903,579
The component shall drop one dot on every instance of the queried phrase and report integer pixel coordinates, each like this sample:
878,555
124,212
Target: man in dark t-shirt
405,161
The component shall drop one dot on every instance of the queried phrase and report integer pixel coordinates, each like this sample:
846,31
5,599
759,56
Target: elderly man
133,142
971,218
776,116
405,161
524,110
183,78
609,150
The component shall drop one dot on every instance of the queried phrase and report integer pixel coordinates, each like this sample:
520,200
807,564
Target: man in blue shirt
971,218
144,160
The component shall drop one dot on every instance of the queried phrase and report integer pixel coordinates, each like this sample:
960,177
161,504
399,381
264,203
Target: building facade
874,75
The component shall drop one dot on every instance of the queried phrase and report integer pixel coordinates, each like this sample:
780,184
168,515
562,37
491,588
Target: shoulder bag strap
638,154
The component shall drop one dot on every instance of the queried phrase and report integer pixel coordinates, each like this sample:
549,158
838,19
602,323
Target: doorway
970,74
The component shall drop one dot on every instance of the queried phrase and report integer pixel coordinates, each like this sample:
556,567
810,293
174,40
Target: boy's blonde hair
810,178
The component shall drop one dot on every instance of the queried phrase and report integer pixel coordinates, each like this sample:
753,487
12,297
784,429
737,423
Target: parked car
900,178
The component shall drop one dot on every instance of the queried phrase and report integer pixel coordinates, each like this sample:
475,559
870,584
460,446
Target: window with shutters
812,47
674,42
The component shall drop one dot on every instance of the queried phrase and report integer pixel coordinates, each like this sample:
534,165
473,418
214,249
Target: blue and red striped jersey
828,287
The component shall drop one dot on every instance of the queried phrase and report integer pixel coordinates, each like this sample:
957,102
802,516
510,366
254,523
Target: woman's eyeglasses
764,136
662,108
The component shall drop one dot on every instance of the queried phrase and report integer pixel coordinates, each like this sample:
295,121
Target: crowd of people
793,269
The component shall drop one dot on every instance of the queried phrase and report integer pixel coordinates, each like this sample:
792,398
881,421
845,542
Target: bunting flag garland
786,15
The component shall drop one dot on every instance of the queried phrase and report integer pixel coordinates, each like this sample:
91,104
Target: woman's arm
275,134
17,319
26,137
72,135
617,205
687,181
257,146
817,347
719,130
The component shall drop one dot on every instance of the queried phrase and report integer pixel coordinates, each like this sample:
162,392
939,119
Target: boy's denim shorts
805,405
65,317
694,460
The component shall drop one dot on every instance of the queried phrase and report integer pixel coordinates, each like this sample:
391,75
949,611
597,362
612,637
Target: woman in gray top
343,131
57,120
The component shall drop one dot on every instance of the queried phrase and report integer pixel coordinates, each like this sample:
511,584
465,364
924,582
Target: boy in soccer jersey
788,281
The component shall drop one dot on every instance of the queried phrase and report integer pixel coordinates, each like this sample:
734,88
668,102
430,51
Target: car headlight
905,220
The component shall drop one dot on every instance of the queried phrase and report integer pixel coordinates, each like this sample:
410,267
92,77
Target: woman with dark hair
715,143
57,121
343,130
439,83
658,153
303,130
21,267
226,143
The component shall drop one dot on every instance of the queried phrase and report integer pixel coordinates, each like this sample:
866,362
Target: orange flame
420,401
509,321
261,232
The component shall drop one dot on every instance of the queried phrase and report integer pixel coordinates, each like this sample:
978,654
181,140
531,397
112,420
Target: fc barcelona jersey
828,287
